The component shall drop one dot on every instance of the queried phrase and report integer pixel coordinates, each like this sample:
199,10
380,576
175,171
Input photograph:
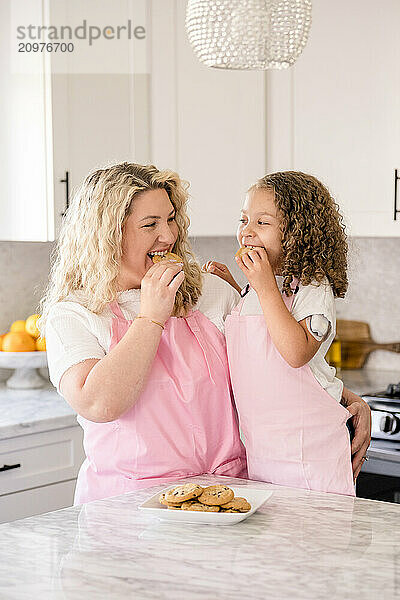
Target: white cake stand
25,376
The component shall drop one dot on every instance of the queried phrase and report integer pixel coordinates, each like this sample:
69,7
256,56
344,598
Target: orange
31,326
18,326
41,344
18,341
1,340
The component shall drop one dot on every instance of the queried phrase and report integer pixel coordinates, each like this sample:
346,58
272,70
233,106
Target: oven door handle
381,454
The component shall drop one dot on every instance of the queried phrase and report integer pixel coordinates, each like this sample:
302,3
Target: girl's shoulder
315,298
218,298
316,289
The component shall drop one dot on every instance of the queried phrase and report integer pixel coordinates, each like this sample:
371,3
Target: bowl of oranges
22,349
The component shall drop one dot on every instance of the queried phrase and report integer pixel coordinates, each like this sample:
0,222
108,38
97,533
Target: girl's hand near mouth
222,271
256,266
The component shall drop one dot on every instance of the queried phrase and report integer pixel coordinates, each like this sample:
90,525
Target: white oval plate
256,497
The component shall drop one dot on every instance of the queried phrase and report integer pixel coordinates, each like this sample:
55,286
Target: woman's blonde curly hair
314,242
87,257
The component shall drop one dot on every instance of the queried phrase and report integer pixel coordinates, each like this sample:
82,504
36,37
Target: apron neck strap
116,310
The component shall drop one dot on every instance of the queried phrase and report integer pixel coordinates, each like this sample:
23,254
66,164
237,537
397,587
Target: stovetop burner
392,392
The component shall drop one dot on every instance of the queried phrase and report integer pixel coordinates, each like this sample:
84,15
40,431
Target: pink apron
295,432
183,424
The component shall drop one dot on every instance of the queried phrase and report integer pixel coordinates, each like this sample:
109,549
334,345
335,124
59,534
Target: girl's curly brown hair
314,242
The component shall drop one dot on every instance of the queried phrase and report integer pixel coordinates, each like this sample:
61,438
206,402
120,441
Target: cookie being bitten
169,256
243,250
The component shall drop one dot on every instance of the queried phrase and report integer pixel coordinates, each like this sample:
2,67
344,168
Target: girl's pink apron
295,432
183,424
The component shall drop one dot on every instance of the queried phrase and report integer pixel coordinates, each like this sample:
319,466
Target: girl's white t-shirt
314,299
74,333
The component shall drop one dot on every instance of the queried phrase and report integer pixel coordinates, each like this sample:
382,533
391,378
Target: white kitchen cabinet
336,113
91,124
37,501
23,197
45,478
59,120
207,124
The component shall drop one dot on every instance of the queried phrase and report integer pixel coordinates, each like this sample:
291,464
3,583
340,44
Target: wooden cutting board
357,343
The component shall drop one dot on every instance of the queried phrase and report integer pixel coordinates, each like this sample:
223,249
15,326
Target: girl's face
151,227
259,225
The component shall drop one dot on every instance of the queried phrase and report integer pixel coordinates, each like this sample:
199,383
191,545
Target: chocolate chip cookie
215,495
237,504
199,507
184,492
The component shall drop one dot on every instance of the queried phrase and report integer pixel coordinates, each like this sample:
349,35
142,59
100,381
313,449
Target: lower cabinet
38,472
36,501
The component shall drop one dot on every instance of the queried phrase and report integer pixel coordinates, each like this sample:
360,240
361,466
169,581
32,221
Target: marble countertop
32,411
364,381
300,544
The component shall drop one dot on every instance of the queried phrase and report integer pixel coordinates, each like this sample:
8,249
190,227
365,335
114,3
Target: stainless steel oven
380,476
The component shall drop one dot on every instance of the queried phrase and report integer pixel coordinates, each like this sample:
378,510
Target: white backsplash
373,294
24,269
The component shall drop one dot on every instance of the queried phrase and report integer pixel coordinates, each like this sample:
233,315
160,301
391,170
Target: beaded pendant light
248,34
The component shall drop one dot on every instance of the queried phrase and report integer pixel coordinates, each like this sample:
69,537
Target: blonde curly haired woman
137,348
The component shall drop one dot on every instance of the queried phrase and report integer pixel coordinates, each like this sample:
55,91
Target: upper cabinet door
24,196
336,114
67,115
99,109
207,124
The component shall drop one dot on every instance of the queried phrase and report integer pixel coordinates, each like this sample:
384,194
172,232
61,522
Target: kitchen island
300,544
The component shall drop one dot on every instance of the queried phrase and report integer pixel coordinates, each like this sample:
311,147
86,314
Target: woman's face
151,227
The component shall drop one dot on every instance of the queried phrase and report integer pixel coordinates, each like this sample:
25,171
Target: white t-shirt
74,333
314,299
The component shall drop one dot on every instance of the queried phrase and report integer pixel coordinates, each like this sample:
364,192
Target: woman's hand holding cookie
158,290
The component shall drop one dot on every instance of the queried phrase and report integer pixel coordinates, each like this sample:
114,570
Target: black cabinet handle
9,467
66,181
396,210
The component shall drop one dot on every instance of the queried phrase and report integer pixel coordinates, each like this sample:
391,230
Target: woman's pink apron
183,424
295,432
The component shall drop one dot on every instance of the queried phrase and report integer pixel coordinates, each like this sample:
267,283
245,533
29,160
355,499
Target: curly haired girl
294,255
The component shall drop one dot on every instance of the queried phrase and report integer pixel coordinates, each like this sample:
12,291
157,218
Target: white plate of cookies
214,504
